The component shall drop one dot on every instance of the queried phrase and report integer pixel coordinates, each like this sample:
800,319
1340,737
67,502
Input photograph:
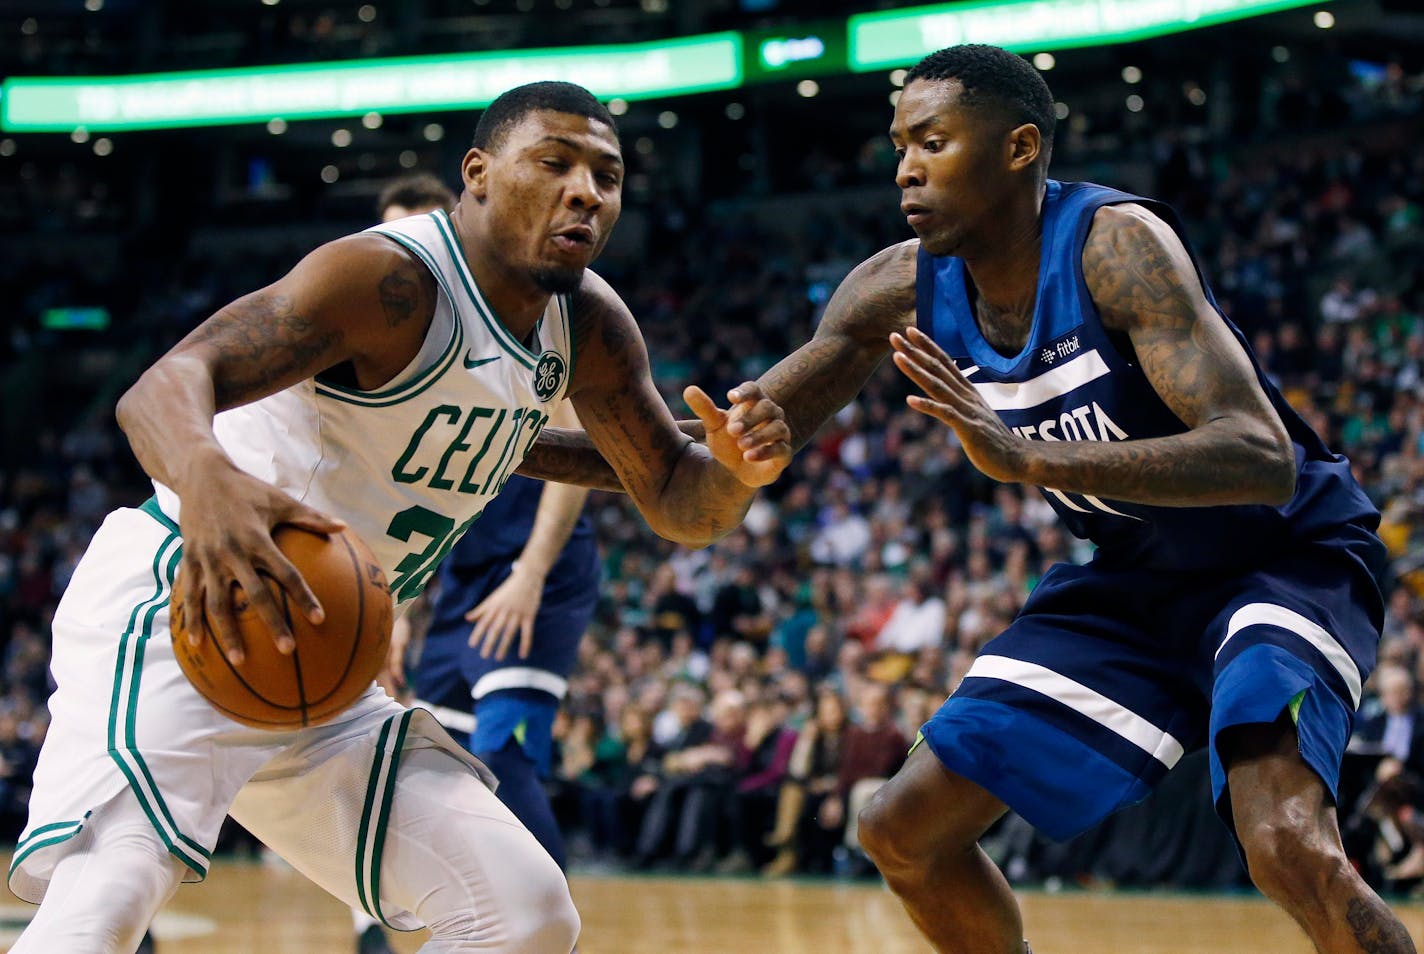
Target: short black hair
996,81
512,106
420,190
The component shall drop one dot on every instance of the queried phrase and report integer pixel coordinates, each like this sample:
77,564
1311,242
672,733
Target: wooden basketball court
247,907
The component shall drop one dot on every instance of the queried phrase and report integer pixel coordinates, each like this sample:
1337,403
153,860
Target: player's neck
1004,265
517,302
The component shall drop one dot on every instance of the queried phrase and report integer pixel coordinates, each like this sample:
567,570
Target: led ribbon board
900,37
353,87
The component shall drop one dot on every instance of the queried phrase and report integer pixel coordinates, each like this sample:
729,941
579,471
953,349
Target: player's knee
554,926
1290,862
888,833
534,915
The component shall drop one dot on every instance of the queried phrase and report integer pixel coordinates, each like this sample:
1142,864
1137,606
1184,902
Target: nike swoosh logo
469,363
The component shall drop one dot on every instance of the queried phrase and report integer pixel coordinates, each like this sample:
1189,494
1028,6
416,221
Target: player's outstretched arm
1143,282
688,492
356,299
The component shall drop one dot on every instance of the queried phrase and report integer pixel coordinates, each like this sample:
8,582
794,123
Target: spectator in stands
767,745
1396,730
874,750
802,841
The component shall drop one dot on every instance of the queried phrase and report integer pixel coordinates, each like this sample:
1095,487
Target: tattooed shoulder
878,296
1137,269
407,291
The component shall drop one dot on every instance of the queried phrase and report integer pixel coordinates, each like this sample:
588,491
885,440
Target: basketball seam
296,659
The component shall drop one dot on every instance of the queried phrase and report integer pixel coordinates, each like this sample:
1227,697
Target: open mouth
580,237
916,214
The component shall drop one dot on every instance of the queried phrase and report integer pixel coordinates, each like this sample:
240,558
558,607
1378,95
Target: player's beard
557,281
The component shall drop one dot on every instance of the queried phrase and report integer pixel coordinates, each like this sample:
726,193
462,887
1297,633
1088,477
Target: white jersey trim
520,677
1054,383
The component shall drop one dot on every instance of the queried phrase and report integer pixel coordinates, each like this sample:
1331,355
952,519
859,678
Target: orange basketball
333,663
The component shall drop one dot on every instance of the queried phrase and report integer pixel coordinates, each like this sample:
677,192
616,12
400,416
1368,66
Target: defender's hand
228,550
510,609
751,439
990,446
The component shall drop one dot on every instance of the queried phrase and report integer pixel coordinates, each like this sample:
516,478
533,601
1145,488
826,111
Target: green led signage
900,37
351,88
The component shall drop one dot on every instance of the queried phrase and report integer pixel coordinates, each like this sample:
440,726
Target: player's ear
1025,143
474,169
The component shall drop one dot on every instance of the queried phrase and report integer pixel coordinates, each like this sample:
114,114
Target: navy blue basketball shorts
1109,675
513,697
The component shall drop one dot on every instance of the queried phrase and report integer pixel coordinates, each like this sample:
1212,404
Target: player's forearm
1216,464
559,508
815,382
167,416
702,501
566,456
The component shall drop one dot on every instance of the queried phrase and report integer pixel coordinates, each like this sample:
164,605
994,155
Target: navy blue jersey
1073,381
504,527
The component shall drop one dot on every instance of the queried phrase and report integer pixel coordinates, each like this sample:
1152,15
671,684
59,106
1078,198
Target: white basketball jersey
411,466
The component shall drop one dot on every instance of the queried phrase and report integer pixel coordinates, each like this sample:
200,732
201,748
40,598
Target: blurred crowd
734,706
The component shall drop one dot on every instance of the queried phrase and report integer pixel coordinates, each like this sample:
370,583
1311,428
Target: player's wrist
531,570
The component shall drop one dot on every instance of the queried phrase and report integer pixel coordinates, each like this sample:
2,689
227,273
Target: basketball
332,664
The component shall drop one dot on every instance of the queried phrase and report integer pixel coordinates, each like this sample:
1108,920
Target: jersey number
414,569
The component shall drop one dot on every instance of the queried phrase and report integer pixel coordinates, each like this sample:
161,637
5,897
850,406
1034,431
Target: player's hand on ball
227,551
751,438
949,398
507,612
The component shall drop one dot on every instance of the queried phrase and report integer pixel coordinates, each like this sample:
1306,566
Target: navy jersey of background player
515,698
1075,380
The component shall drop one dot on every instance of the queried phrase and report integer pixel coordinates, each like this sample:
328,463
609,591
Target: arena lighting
894,38
352,88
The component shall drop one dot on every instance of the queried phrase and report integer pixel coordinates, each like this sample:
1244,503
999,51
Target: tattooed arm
1143,282
688,492
819,378
360,300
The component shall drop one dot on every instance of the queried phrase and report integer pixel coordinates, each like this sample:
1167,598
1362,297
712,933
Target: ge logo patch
549,375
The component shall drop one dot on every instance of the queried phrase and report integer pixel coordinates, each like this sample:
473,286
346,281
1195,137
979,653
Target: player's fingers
477,635
188,615
275,564
934,409
936,363
775,451
508,629
749,415
526,637
310,518
933,385
706,410
928,345
767,432
217,604
252,593
746,391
